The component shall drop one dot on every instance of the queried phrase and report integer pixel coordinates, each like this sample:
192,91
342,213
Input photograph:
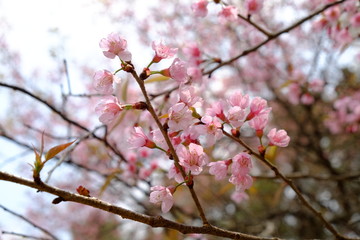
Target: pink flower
253,6
108,109
211,129
355,20
316,85
332,14
195,74
199,8
163,195
189,96
241,182
236,116
239,196
139,139
175,173
103,81
307,99
177,71
228,14
217,109
237,99
241,164
192,158
219,169
180,117
258,106
259,122
278,138
162,51
114,45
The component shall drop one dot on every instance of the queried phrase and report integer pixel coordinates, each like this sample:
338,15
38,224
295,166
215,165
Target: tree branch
153,221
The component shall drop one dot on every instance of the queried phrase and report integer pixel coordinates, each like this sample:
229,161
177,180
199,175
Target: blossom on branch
108,109
162,51
278,138
163,195
139,139
228,14
114,45
103,81
177,71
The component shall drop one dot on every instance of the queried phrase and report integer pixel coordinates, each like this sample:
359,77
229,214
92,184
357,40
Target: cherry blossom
228,14
163,195
241,164
177,71
115,45
240,100
189,96
139,139
217,109
259,122
174,173
241,182
162,51
108,109
239,196
103,81
278,138
236,116
180,117
192,158
199,8
253,6
219,169
211,129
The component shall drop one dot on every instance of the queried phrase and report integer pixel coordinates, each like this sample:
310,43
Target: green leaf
57,149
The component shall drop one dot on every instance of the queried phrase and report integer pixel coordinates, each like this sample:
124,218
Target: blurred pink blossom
239,196
228,14
253,6
199,8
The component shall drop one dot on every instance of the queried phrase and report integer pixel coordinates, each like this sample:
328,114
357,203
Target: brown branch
290,183
29,221
344,177
153,221
272,37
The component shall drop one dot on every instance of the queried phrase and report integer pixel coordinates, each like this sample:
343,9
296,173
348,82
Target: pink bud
278,138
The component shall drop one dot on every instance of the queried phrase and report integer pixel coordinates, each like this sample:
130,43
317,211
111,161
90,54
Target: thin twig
23,235
272,37
29,221
65,118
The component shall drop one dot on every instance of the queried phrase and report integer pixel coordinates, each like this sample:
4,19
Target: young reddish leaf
57,149
83,191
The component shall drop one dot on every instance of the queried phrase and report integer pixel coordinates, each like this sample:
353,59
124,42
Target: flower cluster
341,22
188,131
